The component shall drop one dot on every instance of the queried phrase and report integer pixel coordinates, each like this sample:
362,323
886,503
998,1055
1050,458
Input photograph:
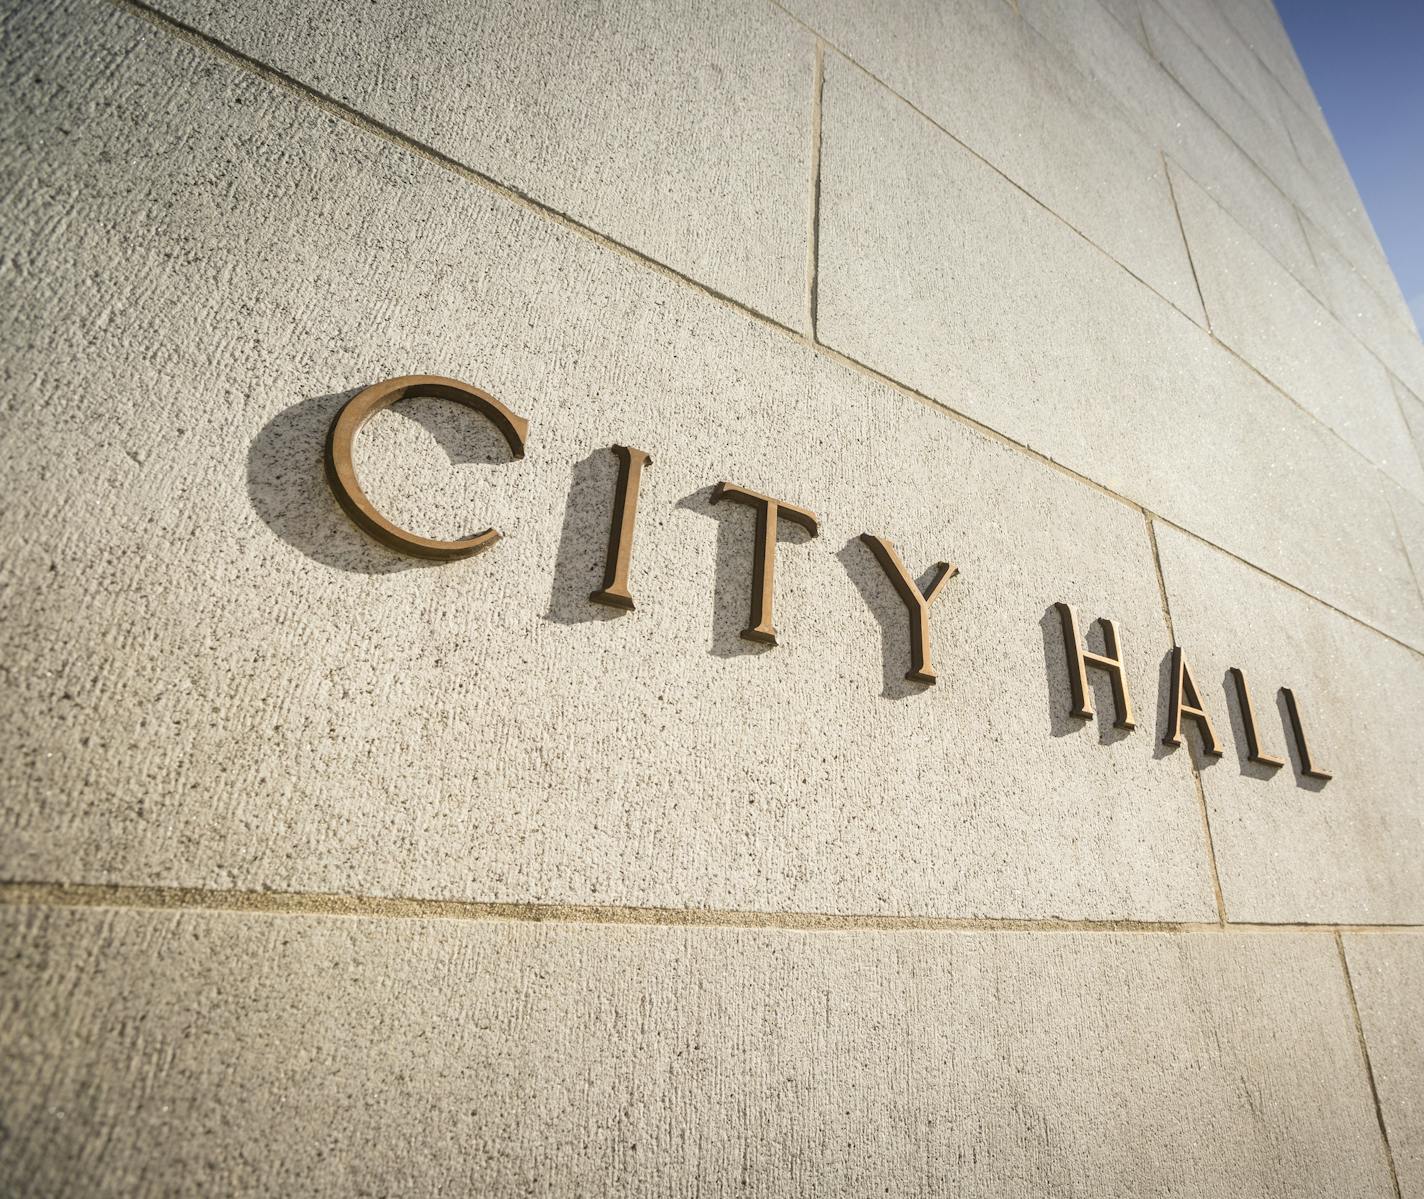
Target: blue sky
1365,61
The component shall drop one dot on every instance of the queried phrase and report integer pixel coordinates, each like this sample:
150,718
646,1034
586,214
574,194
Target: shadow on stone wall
1193,739
1288,749
1061,721
583,543
732,585
286,479
1272,740
888,608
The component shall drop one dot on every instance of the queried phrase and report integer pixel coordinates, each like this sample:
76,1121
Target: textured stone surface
1127,15
1325,189
1408,509
1261,136
1326,195
681,129
1197,44
210,680
215,679
1388,976
1206,23
1289,848
1261,29
1172,119
1110,48
507,1059
993,82
1095,371
1261,312
1413,408
1382,322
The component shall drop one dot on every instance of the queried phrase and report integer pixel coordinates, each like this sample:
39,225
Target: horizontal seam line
408,144
978,157
1268,176
1330,314
320,903
1039,456
1270,179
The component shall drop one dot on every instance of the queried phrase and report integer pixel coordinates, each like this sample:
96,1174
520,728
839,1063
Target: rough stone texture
1382,323
1342,217
1128,16
1257,184
992,81
1288,848
683,129
1261,312
1325,179
1206,23
1095,371
215,679
1407,508
1197,45
1326,193
1261,29
496,1059
1259,136
211,680
1388,976
1176,122
1413,408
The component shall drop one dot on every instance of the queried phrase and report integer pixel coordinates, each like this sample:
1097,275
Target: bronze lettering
1254,752
614,591
1307,765
1185,700
341,471
1079,659
768,511
917,603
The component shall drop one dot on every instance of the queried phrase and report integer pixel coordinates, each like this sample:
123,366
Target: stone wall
328,870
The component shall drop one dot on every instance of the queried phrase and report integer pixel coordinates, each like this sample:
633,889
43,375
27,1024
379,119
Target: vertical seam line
1191,761
1186,245
813,236
1369,1068
443,161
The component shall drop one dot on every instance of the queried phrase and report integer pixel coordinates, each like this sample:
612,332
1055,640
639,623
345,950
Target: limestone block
1111,49
1326,195
1407,508
1327,183
1198,44
993,82
1388,975
1260,28
1260,311
1291,848
1413,408
1331,202
1175,121
1205,22
936,271
1382,322
216,680
682,130
1261,135
1126,13
150,1053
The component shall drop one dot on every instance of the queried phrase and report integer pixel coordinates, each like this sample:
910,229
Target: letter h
1080,659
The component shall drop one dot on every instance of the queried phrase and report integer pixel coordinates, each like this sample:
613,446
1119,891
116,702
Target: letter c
341,472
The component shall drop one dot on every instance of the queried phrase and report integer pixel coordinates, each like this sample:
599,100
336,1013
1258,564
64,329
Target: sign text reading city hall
1184,698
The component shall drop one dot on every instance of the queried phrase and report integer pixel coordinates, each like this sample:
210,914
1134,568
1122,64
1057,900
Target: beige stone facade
330,870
